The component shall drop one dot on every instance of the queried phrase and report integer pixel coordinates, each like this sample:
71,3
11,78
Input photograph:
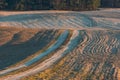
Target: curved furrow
92,70
112,42
70,46
52,48
105,44
106,69
99,45
83,44
102,49
89,46
102,44
108,44
89,38
76,65
97,42
114,47
50,61
40,40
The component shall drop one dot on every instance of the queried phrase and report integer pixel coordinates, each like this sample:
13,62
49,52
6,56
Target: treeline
110,3
56,4
76,4
49,4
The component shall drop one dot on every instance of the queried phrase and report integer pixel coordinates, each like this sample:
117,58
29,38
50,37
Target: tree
3,4
50,4
117,3
110,3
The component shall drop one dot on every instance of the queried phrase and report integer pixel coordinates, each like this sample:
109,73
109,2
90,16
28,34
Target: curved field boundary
74,41
57,44
52,48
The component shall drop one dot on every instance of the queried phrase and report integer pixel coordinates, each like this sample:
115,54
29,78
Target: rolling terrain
60,45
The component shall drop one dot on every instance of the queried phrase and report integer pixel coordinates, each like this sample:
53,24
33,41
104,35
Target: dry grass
17,34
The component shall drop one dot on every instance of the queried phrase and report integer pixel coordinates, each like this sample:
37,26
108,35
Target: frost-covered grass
59,19
52,48
91,52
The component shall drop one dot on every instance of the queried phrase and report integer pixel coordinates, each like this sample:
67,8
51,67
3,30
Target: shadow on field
19,48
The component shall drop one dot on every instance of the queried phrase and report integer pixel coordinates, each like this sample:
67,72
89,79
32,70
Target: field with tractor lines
60,45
